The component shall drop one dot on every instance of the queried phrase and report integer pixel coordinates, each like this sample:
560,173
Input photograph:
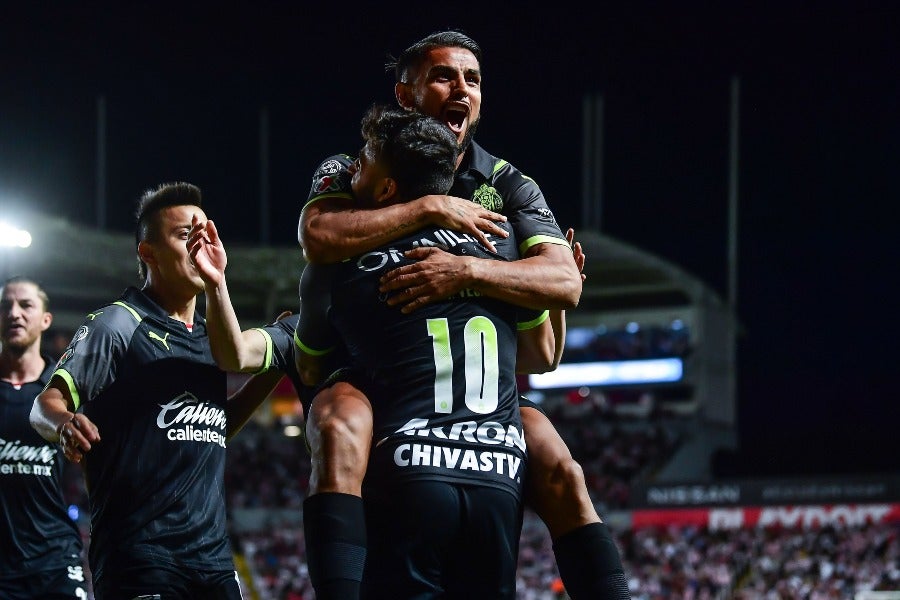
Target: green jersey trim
344,195
540,239
70,383
133,312
267,359
307,350
526,325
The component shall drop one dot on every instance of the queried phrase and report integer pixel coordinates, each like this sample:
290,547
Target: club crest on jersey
329,167
65,357
488,197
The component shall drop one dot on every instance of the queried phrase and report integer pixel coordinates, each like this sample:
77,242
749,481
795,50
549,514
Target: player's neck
21,368
179,306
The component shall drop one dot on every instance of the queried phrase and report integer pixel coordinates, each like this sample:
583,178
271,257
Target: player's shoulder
119,317
333,164
284,326
331,177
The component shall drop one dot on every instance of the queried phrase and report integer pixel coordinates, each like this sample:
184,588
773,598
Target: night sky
819,150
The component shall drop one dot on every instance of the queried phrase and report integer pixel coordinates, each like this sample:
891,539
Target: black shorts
163,582
66,582
430,539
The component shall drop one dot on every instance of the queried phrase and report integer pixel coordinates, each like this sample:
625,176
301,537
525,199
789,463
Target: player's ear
145,252
46,319
386,191
404,95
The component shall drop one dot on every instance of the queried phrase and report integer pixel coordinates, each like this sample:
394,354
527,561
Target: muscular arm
536,347
547,277
333,229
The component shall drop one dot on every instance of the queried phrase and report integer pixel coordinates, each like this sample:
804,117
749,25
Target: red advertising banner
802,517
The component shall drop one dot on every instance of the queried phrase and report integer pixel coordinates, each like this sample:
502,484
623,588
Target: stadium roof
83,268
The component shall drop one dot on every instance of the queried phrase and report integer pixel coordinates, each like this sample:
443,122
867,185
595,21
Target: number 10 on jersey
482,371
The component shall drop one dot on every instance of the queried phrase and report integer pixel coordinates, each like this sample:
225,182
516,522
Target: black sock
589,564
335,529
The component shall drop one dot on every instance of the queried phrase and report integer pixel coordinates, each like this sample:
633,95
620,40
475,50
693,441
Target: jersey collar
477,159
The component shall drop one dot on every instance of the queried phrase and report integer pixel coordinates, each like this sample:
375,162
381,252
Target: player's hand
206,251
577,252
466,216
437,275
76,437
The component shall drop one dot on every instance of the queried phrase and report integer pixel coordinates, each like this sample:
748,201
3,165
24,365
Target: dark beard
470,133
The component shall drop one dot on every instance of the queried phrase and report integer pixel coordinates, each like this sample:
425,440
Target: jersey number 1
481,369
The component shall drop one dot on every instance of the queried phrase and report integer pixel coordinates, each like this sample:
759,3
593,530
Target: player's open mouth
455,118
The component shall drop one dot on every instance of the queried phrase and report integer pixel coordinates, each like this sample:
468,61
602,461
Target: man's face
369,177
22,316
171,262
447,86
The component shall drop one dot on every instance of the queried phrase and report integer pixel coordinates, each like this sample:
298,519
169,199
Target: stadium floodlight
13,237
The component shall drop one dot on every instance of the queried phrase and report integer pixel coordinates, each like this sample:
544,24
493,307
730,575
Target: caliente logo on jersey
187,419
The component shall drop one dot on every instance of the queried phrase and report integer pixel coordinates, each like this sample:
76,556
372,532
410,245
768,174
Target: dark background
184,85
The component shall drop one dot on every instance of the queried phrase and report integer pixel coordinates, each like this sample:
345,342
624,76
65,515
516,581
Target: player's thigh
340,408
410,529
220,585
546,448
488,549
143,581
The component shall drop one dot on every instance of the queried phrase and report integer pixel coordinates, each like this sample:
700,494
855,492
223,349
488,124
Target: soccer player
41,556
441,76
138,398
443,492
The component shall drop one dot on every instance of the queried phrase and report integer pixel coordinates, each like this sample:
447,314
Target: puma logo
162,340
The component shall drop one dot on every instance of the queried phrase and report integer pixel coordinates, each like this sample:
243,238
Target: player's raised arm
233,349
336,228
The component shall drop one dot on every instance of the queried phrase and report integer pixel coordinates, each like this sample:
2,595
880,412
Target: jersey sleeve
528,318
281,336
530,217
89,364
332,178
314,334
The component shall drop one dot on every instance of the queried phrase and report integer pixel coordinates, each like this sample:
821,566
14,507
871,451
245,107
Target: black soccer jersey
482,178
441,380
36,533
155,480
280,354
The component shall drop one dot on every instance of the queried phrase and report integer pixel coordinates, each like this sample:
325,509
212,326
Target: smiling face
446,85
23,317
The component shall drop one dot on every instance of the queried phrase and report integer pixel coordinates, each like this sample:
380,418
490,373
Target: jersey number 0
481,369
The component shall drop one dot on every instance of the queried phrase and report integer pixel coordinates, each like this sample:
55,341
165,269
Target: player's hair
413,56
45,300
418,152
155,200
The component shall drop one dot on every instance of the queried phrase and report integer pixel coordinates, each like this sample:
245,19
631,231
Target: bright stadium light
620,372
13,237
